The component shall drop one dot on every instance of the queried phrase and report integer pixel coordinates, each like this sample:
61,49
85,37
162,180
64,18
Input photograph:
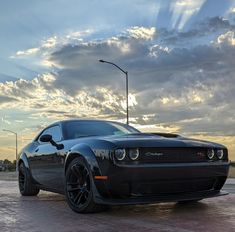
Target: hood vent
167,135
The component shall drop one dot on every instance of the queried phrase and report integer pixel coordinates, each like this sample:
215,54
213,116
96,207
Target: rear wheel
26,186
78,187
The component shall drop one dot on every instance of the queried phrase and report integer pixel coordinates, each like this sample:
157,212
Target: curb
230,181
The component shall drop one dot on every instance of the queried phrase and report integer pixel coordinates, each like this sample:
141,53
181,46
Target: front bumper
159,199
149,183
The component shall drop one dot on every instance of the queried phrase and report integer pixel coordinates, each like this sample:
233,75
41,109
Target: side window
54,131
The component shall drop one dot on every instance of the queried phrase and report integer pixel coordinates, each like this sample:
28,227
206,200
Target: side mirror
46,138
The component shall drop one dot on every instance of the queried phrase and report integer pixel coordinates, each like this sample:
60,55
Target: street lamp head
102,61
10,131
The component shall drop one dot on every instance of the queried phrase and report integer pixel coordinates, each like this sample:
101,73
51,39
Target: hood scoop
167,135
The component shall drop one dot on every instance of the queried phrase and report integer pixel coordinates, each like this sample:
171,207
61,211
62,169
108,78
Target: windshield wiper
82,136
140,133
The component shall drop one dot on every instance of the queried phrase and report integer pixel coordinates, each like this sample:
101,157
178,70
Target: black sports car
97,163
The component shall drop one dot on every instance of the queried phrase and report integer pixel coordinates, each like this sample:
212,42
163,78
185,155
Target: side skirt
48,189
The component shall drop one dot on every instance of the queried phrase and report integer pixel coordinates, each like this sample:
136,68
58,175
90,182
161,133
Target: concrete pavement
48,212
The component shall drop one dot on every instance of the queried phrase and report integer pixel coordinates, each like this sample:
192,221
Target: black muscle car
98,163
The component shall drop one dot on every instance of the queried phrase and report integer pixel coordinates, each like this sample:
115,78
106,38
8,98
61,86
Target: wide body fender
83,150
23,158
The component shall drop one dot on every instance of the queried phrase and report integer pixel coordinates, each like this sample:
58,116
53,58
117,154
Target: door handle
37,150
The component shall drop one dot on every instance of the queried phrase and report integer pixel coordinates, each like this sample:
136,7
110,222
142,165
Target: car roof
61,122
72,120
82,120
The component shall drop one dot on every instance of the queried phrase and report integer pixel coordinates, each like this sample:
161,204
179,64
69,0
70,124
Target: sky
179,55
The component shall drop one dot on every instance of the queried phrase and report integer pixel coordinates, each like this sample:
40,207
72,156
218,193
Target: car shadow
160,210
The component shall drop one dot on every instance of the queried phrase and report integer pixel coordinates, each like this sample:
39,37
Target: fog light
211,154
134,154
220,154
120,154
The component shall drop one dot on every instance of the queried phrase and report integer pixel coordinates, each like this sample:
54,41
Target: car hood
150,140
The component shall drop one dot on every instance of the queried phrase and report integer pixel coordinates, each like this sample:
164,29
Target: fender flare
23,158
83,150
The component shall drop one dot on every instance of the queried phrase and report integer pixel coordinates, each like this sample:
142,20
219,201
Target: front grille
172,155
172,187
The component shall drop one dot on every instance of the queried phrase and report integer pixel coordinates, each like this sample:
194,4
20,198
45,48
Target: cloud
200,33
142,32
40,98
181,81
5,121
227,39
50,42
55,42
27,52
233,10
5,99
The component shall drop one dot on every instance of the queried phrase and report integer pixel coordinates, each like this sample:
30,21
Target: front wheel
78,187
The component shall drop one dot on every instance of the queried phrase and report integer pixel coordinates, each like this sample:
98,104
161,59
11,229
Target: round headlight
220,154
211,153
134,154
120,154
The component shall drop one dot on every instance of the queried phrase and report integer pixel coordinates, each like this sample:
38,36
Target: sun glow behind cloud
182,10
142,32
227,38
27,52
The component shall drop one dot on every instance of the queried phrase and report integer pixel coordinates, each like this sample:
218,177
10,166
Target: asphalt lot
49,212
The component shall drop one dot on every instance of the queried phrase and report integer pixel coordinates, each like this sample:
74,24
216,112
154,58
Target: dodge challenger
97,163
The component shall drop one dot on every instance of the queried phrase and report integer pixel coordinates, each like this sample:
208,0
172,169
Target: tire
189,201
26,186
78,188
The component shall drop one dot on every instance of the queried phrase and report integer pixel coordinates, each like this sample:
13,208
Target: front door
47,163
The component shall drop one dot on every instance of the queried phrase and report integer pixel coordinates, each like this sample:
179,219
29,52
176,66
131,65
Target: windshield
76,129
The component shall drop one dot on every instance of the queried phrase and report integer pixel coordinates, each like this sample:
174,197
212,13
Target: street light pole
127,101
16,144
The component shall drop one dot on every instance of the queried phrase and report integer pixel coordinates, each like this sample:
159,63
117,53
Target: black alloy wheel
26,187
78,188
21,178
78,185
